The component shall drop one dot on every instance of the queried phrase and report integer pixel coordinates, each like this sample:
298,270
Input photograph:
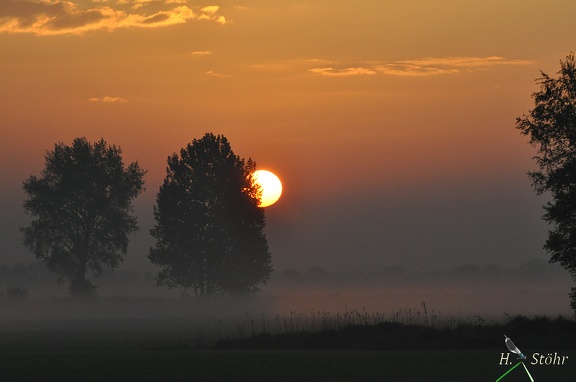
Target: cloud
108,99
409,70
343,72
201,53
445,65
431,66
212,9
59,17
214,74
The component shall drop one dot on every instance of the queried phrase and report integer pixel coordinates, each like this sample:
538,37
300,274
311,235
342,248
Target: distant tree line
209,228
533,271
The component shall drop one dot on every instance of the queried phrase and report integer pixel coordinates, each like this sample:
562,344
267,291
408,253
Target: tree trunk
82,288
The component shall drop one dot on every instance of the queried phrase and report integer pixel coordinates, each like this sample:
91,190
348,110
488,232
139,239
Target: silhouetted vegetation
551,128
81,207
209,228
534,270
538,332
223,339
17,294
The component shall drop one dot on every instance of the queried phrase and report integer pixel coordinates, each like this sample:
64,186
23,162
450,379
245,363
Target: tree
81,206
551,126
209,228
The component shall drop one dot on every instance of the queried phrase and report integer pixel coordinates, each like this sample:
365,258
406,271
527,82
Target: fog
31,299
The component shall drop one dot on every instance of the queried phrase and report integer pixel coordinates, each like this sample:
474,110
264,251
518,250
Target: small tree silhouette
17,294
81,207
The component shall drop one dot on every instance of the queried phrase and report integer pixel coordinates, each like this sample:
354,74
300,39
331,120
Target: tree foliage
81,209
209,228
551,126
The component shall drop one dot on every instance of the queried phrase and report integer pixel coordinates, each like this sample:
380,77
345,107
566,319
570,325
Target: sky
391,123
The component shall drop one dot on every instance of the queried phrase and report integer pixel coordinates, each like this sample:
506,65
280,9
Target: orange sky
391,123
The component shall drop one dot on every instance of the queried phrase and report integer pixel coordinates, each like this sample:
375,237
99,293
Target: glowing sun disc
271,187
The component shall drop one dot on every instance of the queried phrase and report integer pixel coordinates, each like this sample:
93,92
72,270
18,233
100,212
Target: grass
314,321
542,332
354,345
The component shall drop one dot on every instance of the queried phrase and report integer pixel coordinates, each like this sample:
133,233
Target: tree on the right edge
551,127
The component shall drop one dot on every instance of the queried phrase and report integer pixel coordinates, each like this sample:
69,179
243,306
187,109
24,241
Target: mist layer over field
31,299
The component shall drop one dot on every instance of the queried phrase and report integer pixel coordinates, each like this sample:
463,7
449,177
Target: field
123,350
122,339
113,364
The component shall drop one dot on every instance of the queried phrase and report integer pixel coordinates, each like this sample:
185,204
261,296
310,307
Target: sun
271,187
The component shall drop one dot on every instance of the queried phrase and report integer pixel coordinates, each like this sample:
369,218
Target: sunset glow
400,216
392,121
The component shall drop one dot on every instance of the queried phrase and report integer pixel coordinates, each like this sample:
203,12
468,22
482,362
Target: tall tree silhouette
81,207
551,126
209,228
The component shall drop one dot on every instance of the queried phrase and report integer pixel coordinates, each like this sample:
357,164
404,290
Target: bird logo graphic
513,348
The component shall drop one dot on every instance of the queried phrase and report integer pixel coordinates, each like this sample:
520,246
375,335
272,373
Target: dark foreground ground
277,365
124,351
